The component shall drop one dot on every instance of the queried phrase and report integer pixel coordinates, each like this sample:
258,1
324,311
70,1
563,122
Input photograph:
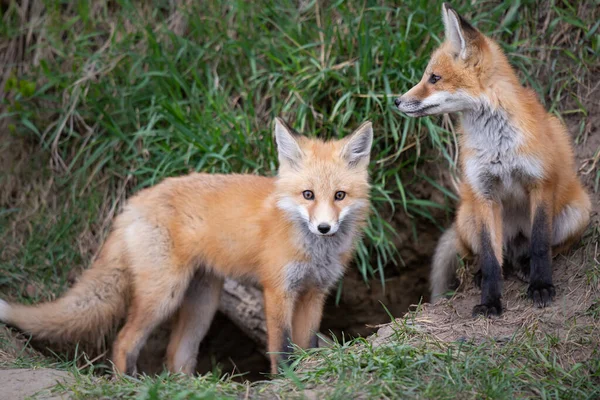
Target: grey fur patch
324,268
496,167
515,216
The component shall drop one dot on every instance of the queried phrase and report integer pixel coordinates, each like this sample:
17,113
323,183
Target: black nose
397,102
323,228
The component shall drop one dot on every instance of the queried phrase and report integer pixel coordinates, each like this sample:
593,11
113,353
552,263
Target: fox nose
324,228
397,102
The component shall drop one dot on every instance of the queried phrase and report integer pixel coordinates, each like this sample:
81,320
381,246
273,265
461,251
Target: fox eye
434,78
340,195
308,195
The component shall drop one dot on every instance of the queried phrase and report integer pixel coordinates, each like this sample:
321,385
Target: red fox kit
520,198
173,244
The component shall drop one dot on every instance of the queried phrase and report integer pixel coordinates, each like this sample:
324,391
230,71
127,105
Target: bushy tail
445,264
87,312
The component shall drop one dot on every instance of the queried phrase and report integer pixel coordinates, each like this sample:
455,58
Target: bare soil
20,384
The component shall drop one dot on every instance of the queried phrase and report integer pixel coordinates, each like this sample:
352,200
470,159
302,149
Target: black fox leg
491,278
541,290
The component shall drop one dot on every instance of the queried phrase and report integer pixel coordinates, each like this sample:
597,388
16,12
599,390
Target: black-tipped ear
357,149
458,31
288,149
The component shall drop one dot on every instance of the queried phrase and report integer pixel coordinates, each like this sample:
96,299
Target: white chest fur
496,167
323,267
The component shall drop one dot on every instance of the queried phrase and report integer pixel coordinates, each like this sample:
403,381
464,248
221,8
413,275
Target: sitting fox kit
520,198
174,243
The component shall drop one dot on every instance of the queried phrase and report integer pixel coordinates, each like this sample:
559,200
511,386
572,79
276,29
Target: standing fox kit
174,243
520,198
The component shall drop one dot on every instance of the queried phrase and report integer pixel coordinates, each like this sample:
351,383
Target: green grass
408,365
153,388
121,96
524,367
121,92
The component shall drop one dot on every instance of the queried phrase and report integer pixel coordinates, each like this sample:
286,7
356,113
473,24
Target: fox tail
445,264
89,311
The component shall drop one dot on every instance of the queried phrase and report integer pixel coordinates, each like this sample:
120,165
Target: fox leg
197,311
154,300
307,318
279,307
541,290
479,224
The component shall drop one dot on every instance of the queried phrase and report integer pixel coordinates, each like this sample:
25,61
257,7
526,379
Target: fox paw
488,310
541,293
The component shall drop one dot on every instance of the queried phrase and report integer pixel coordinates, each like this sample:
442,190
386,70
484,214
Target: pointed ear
357,149
288,148
458,31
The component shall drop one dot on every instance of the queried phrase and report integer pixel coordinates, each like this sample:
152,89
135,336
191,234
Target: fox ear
458,31
357,149
288,148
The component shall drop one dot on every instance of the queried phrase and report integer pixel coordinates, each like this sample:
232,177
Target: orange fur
174,243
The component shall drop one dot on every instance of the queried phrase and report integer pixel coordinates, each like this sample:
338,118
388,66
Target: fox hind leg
194,318
154,300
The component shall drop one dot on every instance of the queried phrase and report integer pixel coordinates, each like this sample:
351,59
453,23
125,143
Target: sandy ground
17,384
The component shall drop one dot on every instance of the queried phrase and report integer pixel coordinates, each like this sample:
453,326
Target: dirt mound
573,319
569,316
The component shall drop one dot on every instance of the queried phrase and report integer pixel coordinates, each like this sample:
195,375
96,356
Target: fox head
324,185
457,72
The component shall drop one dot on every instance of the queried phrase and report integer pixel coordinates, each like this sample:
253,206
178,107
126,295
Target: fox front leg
541,289
480,225
307,318
279,307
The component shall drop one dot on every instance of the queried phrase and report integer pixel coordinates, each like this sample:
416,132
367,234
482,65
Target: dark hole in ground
225,348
